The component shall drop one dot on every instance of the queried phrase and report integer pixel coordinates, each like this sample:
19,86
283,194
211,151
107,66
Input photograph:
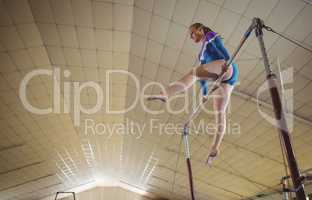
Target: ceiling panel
206,13
158,28
42,154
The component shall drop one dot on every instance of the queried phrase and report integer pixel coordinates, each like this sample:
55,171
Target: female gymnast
212,57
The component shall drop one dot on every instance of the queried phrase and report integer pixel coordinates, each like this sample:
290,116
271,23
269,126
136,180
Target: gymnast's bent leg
204,71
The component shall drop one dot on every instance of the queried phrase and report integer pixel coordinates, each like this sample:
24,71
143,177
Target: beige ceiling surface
99,193
42,154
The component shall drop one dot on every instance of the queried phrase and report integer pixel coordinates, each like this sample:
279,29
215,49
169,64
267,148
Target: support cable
287,38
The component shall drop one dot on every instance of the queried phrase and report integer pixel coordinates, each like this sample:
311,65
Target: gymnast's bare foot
212,155
161,97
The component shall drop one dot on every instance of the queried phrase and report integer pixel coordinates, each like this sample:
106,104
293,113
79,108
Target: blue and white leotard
213,49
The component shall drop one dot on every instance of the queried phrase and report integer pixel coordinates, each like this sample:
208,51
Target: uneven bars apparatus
257,25
72,193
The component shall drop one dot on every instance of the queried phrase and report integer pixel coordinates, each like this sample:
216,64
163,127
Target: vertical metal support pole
280,115
286,191
188,159
56,196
